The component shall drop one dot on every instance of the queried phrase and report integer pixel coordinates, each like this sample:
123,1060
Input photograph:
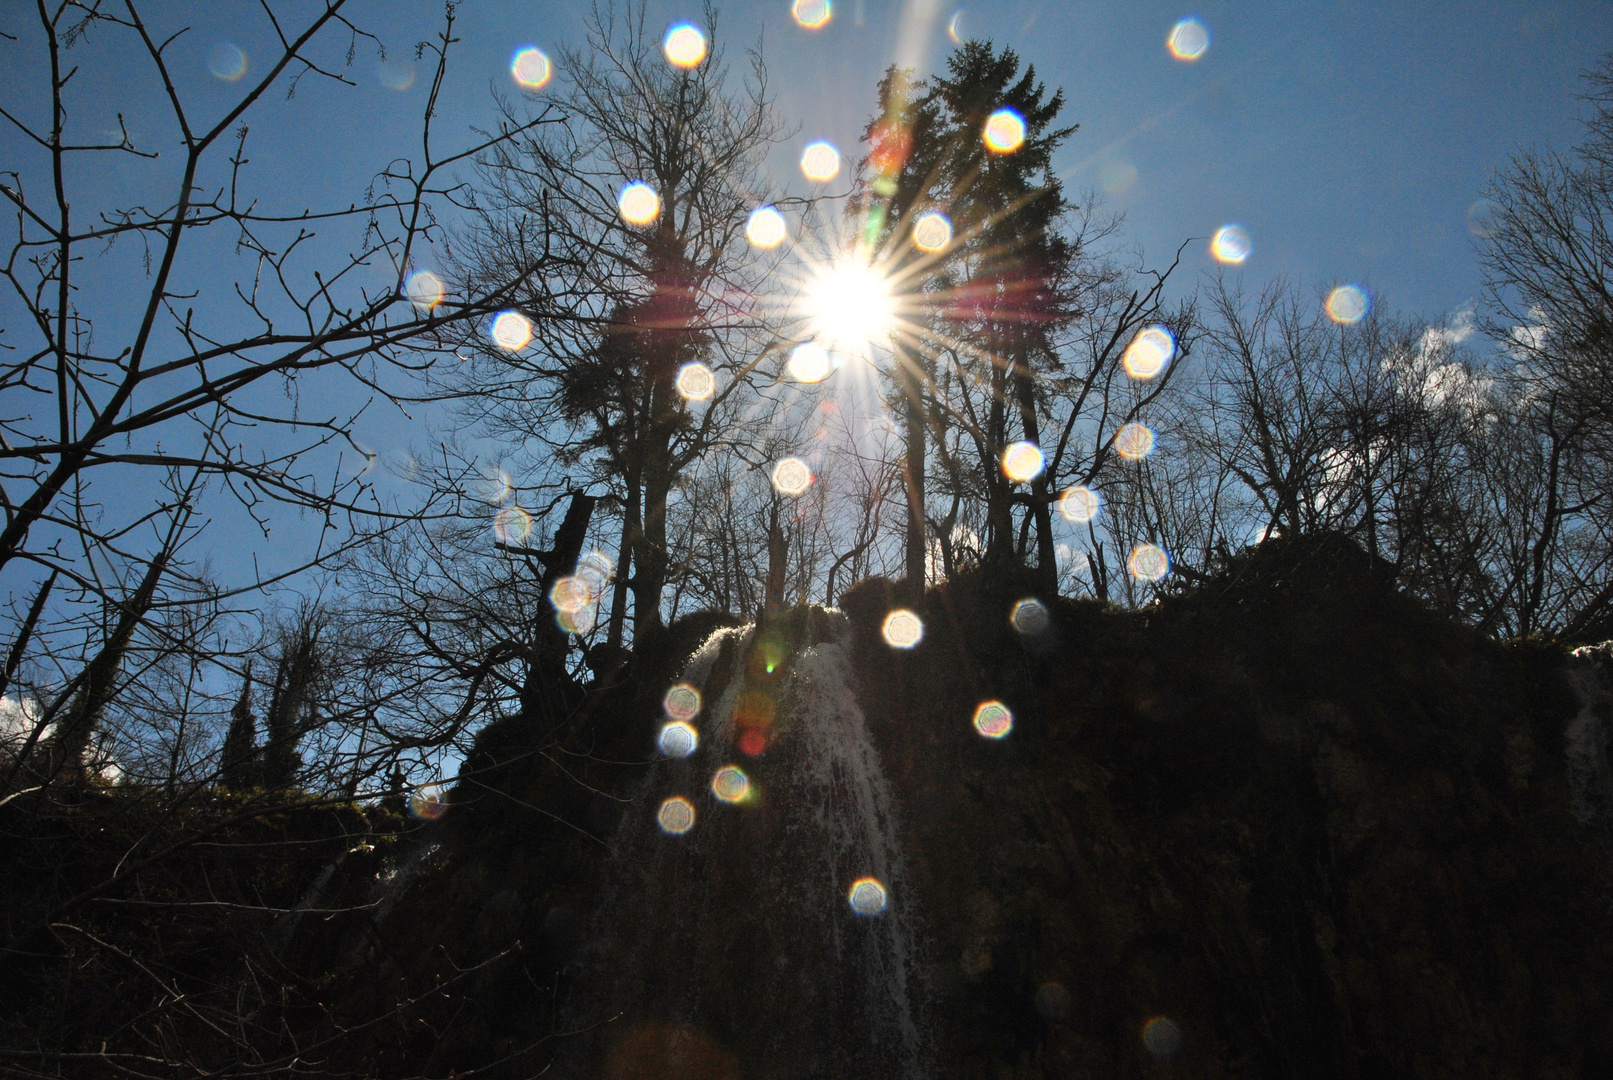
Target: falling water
733,948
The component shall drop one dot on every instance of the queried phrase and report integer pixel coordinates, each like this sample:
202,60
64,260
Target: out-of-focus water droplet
1188,40
494,487
955,29
932,232
1022,462
1231,245
1162,1037
1134,441
226,61
993,720
1054,1002
682,702
812,14
696,382
638,203
810,363
685,46
1348,304
395,74
1149,352
902,629
1005,131
512,331
730,784
531,68
424,289
1481,218
766,227
570,594
791,476
1079,504
676,816
1148,562
678,739
580,621
1030,617
1117,177
428,802
820,161
867,897
512,525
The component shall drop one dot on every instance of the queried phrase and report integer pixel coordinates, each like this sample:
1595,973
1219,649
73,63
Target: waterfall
735,948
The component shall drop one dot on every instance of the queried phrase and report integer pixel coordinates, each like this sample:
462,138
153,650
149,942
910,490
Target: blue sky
1350,139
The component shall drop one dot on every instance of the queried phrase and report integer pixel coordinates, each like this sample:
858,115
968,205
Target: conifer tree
240,765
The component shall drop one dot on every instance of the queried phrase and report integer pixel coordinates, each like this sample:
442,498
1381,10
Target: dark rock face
1288,825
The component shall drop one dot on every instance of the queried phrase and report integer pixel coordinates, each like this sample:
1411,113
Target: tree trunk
913,468
1041,499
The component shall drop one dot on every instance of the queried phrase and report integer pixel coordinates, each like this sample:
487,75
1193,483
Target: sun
850,306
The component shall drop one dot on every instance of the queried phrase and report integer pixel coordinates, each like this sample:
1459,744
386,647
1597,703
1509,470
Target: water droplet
1080,505
685,46
791,476
639,204
1134,441
1149,352
395,74
820,162
682,702
867,897
1231,244
570,594
993,720
1348,304
766,227
696,382
512,525
227,61
810,363
1054,1002
1022,462
730,784
932,232
512,331
812,14
678,739
531,68
1188,40
676,816
1162,1037
902,629
428,802
1030,617
1148,562
1005,131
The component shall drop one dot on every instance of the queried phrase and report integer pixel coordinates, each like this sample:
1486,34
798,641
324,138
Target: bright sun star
850,306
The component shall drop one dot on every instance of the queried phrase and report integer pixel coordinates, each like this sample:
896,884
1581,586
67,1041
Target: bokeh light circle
676,816
1188,40
678,739
820,161
1005,131
428,802
993,720
1162,1038
766,227
791,476
580,621
812,14
1030,617
932,232
512,331
696,381
1348,304
512,525
1149,352
867,897
1148,562
1134,441
226,61
424,289
810,363
730,784
1231,245
1022,462
685,46
1481,218
570,594
1080,505
902,629
638,203
682,702
395,74
531,68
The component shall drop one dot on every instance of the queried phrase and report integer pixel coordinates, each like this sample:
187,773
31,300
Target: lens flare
685,46
676,816
678,739
512,525
1148,562
766,227
531,68
1348,304
571,594
932,232
424,289
594,569
428,802
696,382
1231,245
512,331
850,306
810,363
580,621
902,629
1134,441
638,203
1149,352
730,784
993,720
867,897
1005,131
1030,617
1188,40
1022,462
812,14
227,61
791,476
682,702
955,29
1079,505
1162,1037
820,161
